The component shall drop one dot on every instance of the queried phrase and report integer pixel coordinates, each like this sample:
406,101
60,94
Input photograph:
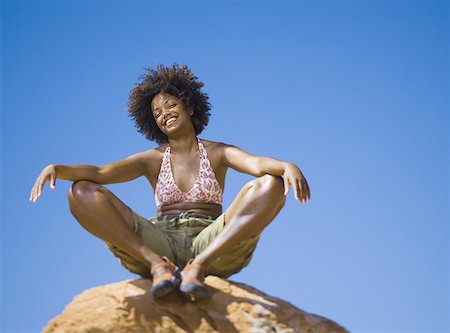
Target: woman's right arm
76,172
126,170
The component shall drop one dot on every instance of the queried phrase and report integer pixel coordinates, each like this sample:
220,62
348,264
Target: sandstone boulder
128,306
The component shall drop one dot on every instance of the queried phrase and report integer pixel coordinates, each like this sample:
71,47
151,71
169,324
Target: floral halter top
206,188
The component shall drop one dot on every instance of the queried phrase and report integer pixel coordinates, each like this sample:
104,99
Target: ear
191,111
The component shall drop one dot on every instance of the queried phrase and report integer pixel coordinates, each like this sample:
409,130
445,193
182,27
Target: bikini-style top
206,188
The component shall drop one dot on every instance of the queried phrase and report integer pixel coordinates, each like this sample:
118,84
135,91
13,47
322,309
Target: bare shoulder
218,147
155,153
215,147
159,149
153,158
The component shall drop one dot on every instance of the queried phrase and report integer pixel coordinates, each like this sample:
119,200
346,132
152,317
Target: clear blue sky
354,93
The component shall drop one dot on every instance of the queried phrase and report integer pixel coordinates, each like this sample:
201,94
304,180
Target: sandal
190,285
166,281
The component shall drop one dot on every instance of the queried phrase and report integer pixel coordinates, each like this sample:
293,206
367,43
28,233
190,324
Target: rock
128,306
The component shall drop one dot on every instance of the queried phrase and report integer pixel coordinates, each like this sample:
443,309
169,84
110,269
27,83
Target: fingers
33,194
47,175
308,191
293,175
305,189
286,186
33,191
36,191
302,190
298,191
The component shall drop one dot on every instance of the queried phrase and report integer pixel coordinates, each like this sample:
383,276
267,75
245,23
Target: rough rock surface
128,306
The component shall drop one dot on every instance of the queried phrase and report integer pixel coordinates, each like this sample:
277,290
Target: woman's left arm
258,166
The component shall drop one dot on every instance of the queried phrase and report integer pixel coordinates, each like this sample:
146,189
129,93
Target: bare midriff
204,208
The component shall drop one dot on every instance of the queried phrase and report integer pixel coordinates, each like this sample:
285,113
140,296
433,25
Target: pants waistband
183,215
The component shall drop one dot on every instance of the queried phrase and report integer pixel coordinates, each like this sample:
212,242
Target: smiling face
170,113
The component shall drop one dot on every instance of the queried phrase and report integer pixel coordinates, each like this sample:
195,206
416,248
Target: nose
166,115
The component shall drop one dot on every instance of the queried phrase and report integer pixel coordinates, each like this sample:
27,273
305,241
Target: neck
184,146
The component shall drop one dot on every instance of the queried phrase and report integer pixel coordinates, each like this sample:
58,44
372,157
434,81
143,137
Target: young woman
187,175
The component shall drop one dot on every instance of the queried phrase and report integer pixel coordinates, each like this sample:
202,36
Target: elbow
100,175
261,173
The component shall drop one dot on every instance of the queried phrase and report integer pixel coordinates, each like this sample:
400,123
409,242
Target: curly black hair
175,80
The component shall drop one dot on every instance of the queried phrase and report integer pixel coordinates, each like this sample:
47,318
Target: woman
187,175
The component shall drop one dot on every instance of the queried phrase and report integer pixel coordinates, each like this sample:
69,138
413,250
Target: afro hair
175,80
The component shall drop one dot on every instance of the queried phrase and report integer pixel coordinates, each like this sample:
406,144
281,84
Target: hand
47,175
293,175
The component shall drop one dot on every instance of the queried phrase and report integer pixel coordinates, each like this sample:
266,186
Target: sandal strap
168,275
189,278
190,264
163,263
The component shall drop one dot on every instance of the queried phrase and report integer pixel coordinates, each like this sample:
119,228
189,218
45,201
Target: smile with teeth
170,121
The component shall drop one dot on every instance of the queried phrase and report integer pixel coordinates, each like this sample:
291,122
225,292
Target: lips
170,121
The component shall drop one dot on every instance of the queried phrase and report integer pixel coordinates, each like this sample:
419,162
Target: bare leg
101,213
255,206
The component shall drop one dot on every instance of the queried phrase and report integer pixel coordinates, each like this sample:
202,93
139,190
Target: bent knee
271,181
82,188
274,184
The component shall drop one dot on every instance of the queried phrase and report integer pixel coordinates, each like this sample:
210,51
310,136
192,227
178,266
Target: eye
172,105
157,115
